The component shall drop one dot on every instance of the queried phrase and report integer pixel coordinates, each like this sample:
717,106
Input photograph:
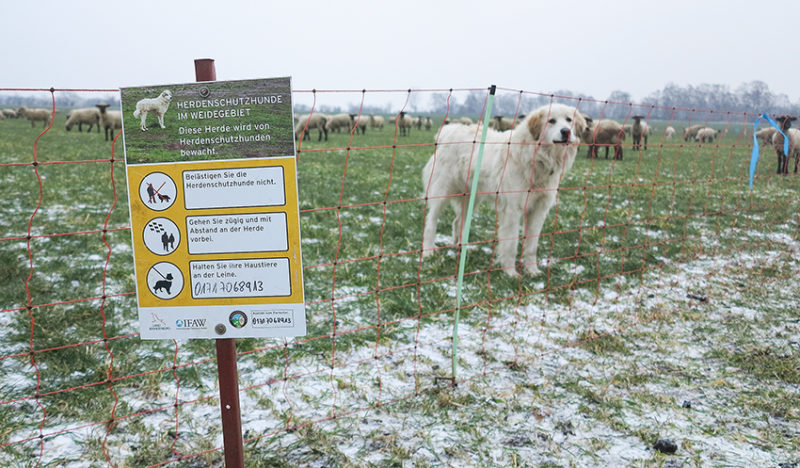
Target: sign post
212,179
227,371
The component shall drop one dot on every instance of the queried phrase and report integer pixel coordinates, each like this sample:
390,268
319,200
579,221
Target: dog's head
166,95
557,124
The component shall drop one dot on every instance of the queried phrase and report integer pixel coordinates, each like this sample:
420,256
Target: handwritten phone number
229,287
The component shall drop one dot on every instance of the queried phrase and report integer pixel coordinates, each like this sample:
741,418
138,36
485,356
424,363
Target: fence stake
462,258
204,70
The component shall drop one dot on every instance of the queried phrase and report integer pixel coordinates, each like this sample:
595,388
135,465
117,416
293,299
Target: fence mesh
79,384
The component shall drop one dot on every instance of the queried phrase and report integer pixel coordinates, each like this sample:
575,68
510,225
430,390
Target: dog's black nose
565,133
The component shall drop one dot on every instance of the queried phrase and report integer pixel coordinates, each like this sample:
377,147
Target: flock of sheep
602,133
325,123
97,117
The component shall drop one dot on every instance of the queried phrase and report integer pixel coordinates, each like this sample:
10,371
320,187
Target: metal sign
212,180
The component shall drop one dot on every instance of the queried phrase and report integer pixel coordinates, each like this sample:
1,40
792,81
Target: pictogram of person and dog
152,194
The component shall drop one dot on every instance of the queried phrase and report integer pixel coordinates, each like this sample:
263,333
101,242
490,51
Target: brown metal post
204,70
229,403
226,352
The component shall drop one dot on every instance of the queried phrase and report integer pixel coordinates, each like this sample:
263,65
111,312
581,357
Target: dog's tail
136,113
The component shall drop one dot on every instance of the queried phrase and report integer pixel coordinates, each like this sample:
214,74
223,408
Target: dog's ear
536,123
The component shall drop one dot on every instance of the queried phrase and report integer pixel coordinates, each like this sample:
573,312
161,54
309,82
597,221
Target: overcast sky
587,46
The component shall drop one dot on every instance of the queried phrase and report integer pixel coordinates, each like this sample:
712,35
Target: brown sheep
604,133
639,129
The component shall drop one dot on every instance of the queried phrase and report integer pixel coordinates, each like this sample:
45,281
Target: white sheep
316,120
428,123
500,123
376,121
794,144
109,120
669,133
706,135
360,122
157,106
86,116
9,113
765,134
404,123
338,122
691,132
34,115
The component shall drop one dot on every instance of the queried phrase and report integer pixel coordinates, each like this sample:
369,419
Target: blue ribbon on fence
754,156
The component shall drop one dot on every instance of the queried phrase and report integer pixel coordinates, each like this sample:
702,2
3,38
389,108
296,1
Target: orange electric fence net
651,187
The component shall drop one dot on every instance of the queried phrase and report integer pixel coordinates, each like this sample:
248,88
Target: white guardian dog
157,106
521,169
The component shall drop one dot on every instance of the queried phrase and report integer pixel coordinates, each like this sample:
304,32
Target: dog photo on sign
157,106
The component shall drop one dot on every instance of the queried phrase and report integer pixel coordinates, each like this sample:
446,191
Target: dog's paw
533,270
511,271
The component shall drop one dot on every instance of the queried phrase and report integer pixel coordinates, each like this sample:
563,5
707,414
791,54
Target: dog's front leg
161,120
538,208
459,205
435,206
507,239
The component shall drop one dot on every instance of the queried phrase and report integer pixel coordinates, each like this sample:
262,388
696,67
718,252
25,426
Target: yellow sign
216,242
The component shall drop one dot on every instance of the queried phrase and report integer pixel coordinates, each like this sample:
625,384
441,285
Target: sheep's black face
785,121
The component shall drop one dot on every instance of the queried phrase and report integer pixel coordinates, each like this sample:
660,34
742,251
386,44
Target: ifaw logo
190,323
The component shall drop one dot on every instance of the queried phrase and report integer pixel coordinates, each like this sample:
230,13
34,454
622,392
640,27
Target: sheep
376,121
691,132
359,123
500,123
604,133
428,123
417,122
338,122
109,120
2,116
86,116
404,123
669,133
765,134
785,122
9,113
459,120
706,134
316,120
639,129
34,115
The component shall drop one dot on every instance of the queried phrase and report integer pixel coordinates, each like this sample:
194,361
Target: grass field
667,309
